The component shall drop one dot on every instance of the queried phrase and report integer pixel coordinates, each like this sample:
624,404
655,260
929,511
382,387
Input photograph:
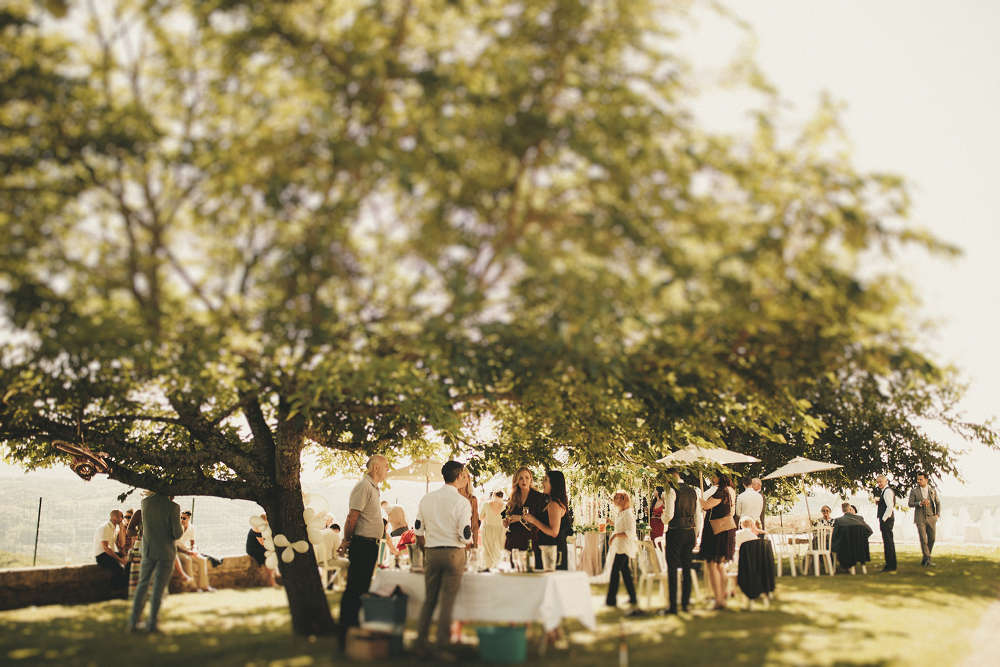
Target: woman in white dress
493,530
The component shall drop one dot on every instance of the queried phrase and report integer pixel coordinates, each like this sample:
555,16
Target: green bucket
504,643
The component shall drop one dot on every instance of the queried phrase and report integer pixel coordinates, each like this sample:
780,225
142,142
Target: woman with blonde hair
468,493
523,498
624,546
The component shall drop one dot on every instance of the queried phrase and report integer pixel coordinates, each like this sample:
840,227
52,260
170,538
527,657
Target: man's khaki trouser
196,567
443,568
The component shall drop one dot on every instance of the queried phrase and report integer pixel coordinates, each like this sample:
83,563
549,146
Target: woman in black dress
554,528
717,548
519,535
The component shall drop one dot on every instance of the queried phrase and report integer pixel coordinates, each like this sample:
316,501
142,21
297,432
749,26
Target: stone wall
81,584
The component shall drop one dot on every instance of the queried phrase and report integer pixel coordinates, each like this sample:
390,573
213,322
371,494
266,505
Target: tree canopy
230,229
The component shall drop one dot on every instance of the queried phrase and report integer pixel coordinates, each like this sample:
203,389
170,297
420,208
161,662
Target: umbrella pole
806,498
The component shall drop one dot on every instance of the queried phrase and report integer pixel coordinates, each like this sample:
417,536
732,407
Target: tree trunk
306,598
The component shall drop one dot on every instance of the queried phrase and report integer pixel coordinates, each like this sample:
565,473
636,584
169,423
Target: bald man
363,528
104,550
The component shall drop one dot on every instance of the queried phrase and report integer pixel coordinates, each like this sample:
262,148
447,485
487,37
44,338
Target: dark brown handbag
723,524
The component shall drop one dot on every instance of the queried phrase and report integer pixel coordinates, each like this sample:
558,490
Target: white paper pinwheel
289,549
271,542
315,522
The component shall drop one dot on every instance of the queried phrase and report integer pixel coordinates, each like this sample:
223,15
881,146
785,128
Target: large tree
232,229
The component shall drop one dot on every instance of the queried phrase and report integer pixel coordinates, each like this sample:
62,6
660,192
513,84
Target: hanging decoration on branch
85,463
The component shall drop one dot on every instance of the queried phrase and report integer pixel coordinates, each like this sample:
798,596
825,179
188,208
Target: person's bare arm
387,534
111,552
349,526
555,515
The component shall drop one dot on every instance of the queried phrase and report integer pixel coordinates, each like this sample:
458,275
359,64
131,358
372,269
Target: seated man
105,540
850,538
331,543
192,562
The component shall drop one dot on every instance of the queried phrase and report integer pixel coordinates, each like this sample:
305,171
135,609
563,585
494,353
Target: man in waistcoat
886,520
680,507
927,509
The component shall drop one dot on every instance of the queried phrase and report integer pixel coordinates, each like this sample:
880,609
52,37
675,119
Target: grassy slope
843,620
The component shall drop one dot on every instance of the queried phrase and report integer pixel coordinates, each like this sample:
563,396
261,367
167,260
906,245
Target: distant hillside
72,509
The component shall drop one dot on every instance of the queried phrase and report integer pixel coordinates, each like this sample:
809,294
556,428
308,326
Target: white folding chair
782,550
819,550
650,571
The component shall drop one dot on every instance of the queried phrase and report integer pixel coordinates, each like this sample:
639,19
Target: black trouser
677,548
361,557
887,542
118,577
621,564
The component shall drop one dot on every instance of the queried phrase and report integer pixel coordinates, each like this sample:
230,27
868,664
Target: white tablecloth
503,598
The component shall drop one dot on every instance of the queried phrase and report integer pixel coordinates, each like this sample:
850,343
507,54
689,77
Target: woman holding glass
524,501
554,527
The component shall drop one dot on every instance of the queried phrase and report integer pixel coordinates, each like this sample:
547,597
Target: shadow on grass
839,621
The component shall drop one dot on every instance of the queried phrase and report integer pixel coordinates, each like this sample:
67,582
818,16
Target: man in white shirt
192,562
444,530
749,503
886,520
104,550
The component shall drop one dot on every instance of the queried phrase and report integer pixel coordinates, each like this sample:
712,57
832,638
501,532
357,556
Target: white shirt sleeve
463,523
890,502
740,502
669,506
418,525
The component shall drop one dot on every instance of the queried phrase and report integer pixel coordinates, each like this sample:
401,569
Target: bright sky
922,92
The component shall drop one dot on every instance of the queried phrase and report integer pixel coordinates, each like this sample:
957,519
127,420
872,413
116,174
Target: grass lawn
917,614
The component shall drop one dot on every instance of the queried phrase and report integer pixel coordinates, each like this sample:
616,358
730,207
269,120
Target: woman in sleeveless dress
493,531
553,528
656,514
717,548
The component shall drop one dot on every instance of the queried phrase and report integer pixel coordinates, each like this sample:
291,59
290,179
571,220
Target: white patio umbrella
498,482
421,470
693,454
801,466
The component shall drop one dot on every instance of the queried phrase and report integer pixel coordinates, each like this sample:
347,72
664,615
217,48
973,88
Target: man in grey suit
161,528
927,506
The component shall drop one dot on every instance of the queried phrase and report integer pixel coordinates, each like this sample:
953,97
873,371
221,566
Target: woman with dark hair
718,542
656,514
554,529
